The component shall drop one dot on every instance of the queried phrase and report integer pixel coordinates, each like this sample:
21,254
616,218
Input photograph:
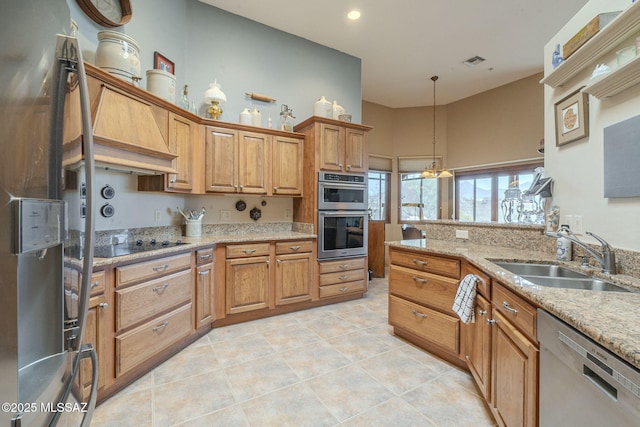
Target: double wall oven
343,215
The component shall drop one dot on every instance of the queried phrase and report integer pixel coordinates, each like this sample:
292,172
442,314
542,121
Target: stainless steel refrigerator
46,209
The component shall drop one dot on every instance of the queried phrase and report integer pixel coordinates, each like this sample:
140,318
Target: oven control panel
341,177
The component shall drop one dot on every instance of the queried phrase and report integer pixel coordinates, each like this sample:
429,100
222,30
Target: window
379,195
418,197
480,196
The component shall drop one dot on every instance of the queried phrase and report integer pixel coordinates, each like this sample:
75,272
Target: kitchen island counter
609,318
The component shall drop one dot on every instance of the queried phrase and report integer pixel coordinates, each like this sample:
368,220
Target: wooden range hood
130,127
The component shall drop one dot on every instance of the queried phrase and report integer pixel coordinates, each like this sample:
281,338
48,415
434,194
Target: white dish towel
465,300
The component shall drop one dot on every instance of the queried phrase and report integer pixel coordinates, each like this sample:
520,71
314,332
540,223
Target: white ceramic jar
245,117
337,110
162,83
322,108
119,55
256,118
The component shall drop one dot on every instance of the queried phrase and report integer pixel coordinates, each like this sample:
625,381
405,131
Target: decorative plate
255,214
241,205
108,13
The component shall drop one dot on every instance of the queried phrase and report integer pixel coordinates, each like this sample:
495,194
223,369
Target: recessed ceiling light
354,15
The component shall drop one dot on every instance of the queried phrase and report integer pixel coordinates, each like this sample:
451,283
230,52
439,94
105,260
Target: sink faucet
607,259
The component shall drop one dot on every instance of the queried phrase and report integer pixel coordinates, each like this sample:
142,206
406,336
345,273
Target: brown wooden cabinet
247,275
286,166
183,137
342,149
342,276
204,288
293,272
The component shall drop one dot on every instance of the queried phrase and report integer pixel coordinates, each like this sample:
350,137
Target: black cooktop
128,248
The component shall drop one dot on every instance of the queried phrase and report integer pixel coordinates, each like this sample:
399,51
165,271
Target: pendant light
432,170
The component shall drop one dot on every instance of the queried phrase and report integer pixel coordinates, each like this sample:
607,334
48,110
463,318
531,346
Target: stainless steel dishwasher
582,383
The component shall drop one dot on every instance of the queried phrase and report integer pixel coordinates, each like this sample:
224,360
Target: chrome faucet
607,259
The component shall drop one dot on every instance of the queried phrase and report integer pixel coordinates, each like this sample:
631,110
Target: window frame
438,200
387,198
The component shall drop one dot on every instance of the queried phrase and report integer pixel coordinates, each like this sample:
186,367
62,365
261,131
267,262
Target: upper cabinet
286,170
609,38
342,149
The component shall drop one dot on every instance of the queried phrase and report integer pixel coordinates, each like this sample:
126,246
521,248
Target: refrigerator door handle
89,352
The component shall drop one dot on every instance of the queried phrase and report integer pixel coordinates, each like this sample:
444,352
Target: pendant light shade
432,171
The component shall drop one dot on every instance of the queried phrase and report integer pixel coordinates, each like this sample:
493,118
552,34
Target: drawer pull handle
482,312
417,313
344,266
278,262
160,289
420,262
104,305
248,251
509,308
94,284
343,277
419,280
490,321
207,256
203,273
294,248
345,289
160,327
160,268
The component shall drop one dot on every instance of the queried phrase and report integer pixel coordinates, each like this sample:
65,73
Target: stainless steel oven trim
347,252
322,205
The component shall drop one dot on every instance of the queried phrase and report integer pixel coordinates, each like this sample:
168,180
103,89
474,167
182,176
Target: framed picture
572,118
161,62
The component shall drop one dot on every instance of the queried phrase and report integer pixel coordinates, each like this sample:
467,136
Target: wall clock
108,13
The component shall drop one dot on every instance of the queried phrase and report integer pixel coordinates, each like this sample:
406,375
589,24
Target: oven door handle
344,213
341,185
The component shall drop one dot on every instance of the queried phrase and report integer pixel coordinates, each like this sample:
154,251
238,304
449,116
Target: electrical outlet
156,215
567,220
287,214
577,224
224,215
462,234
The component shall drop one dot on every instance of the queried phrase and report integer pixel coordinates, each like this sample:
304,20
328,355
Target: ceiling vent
472,62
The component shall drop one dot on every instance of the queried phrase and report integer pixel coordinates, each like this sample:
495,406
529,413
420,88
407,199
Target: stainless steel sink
554,276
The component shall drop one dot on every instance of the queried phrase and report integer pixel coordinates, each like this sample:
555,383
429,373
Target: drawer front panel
293,247
429,289
151,269
341,265
136,346
520,313
204,256
98,283
341,289
341,277
248,250
139,302
444,266
484,285
428,324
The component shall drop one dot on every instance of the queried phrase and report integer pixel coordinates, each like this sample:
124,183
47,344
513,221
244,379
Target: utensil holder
193,227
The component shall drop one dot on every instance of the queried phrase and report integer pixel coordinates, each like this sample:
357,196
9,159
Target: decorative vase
162,83
245,117
322,108
119,55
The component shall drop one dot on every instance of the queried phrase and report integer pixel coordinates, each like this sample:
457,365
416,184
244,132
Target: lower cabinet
293,272
342,276
204,288
247,284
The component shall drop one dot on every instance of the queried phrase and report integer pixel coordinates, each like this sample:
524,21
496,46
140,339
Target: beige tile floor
332,365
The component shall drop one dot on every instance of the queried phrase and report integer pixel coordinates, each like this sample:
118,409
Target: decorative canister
256,118
162,83
119,55
336,110
193,227
322,108
245,117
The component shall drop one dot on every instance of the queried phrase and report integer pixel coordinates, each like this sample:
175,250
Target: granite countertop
610,318
191,243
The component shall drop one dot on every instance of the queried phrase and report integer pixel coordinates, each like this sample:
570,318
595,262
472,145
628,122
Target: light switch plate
462,234
577,224
224,215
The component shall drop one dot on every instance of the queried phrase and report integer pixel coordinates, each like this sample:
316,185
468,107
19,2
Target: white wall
577,167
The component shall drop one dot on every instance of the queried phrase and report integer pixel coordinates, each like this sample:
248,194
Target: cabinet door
96,335
247,284
331,147
478,346
253,163
181,143
514,381
293,278
204,295
221,150
286,169
356,157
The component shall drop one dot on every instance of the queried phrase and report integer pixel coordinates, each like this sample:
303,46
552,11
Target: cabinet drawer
342,265
151,269
293,247
139,344
341,288
433,264
341,277
428,324
204,256
139,302
484,285
425,288
243,251
519,312
98,282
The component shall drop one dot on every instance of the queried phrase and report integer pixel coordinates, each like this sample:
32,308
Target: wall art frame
572,118
161,62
